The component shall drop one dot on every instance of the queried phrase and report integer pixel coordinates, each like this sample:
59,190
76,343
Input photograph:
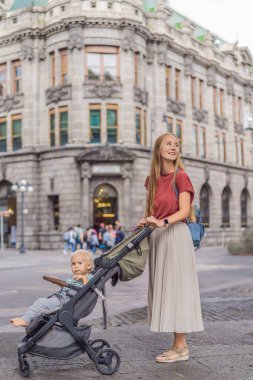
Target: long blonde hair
156,171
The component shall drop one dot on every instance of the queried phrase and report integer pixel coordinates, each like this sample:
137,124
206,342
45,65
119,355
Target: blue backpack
197,229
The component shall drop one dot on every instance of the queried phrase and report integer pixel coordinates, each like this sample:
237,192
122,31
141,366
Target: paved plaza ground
224,351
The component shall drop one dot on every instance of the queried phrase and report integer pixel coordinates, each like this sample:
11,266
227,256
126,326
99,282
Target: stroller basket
57,336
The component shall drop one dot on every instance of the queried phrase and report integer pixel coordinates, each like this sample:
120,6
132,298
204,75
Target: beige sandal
175,354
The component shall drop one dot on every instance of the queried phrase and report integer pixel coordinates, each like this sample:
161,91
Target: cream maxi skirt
173,294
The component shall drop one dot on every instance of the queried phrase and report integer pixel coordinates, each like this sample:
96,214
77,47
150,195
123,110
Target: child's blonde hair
86,255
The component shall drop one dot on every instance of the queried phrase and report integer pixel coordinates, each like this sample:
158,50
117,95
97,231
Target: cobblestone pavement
224,351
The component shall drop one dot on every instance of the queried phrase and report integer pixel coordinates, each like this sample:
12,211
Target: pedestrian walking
173,294
81,265
93,242
78,236
109,237
120,234
68,237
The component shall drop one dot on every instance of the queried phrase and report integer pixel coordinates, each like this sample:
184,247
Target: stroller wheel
99,344
107,361
25,367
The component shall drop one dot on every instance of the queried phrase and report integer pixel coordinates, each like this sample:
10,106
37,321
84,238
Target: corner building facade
86,86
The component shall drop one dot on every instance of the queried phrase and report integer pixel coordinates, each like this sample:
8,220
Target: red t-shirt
166,200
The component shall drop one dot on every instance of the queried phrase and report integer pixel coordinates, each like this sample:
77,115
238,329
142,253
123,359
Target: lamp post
22,186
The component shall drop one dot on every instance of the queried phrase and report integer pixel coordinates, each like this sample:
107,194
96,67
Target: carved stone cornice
106,154
27,50
11,102
211,76
221,122
128,40
85,170
238,127
178,108
230,85
75,38
150,53
141,96
58,93
162,51
188,65
200,115
102,89
248,93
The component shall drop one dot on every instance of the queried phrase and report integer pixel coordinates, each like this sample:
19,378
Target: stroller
56,334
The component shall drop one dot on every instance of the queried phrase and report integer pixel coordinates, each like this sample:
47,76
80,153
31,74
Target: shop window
102,63
16,132
105,205
3,135
63,120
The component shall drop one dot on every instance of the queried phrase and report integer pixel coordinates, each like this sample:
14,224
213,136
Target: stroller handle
55,280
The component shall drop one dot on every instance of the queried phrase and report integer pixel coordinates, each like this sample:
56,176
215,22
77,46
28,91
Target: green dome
19,4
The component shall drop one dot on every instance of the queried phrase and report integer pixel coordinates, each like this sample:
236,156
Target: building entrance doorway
105,205
8,202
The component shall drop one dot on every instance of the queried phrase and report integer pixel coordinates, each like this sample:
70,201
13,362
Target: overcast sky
230,19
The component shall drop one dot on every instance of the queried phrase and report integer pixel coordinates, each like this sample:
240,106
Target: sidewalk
224,351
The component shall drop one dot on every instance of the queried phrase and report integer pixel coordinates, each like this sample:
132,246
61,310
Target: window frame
52,68
62,110
97,49
16,80
3,90
3,120
113,107
95,106
138,111
168,73
14,118
64,66
177,84
52,132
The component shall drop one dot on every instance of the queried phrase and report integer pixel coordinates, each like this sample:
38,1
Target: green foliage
244,246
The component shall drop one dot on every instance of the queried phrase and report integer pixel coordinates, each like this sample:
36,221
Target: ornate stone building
85,88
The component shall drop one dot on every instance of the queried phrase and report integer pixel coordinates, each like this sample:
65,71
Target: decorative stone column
85,178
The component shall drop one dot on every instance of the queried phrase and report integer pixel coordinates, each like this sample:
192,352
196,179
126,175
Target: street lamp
22,186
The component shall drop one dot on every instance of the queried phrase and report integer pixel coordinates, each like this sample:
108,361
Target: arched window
204,204
244,209
225,207
105,201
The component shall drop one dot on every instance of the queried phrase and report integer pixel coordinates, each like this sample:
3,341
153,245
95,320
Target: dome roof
19,4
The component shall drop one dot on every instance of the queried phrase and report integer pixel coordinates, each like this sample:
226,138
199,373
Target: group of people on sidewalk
93,239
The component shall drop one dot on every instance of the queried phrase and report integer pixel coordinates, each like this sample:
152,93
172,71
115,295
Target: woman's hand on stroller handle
142,222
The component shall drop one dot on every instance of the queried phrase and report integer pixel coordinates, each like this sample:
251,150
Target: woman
173,296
